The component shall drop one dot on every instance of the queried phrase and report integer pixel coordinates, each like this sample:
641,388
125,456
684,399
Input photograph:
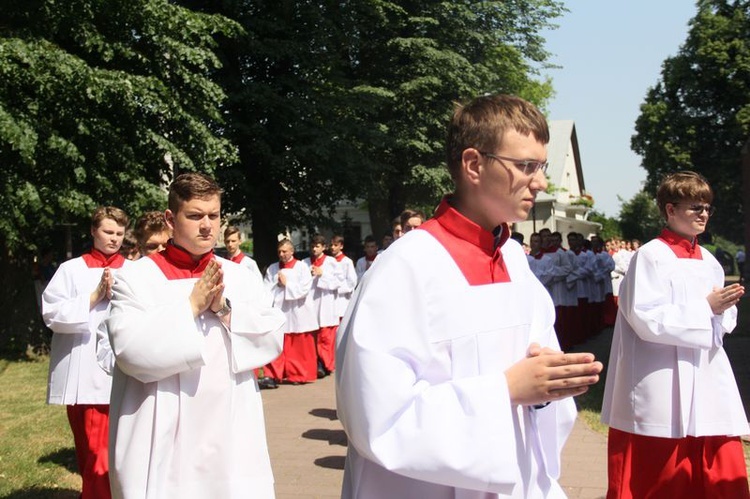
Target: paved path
308,446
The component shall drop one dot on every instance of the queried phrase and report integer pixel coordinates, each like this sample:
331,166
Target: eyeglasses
525,166
700,208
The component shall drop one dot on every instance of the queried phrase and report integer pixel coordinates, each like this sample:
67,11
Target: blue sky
610,53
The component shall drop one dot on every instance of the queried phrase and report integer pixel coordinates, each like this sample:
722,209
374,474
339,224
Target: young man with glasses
450,394
671,400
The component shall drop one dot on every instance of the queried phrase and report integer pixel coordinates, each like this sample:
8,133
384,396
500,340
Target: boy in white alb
289,281
187,329
671,401
344,293
327,279
371,252
232,242
445,396
74,303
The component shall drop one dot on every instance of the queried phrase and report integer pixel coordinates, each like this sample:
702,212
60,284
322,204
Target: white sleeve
152,339
645,302
63,310
333,275
298,281
256,330
350,276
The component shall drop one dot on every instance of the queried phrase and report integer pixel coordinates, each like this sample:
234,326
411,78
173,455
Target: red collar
340,256
318,262
371,258
288,265
473,248
95,259
238,257
681,247
176,263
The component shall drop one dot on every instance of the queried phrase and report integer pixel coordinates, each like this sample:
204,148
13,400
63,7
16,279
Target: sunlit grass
36,447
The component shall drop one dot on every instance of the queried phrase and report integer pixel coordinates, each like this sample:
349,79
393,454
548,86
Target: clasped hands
546,375
720,299
208,291
103,289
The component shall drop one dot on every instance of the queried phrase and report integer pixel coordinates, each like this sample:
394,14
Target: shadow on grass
43,493
62,457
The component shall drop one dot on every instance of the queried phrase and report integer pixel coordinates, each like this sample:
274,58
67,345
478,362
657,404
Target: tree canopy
98,99
330,100
697,116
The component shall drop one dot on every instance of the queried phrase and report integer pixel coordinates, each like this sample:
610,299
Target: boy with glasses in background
671,400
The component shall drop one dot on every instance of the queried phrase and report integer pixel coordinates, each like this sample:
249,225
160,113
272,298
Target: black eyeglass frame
700,208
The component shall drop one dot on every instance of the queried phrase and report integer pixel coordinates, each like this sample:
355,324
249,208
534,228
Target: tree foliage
332,100
95,98
697,116
640,218
610,226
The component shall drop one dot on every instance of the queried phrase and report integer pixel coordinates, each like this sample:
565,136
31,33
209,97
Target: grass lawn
37,459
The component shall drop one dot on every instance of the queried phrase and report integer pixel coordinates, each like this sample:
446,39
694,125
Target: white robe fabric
420,385
291,299
344,292
74,374
557,268
321,300
362,266
668,374
186,417
252,266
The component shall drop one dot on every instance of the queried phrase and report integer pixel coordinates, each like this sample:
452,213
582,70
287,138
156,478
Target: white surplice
74,375
668,374
421,390
186,417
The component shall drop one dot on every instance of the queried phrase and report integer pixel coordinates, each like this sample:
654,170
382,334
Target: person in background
371,252
411,219
129,246
459,390
327,278
290,280
232,241
74,303
670,399
151,232
396,228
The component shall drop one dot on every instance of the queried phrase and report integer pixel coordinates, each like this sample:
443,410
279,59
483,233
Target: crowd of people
448,345
582,279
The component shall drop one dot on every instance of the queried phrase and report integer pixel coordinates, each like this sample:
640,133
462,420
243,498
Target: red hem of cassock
696,467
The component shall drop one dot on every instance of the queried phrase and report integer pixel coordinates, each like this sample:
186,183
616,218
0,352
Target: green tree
412,61
98,99
610,226
697,116
640,218
332,100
